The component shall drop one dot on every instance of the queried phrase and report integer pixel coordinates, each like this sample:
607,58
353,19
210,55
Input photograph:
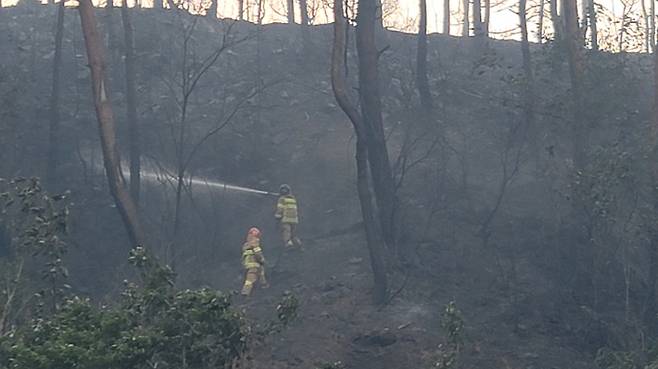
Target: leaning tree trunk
131,104
111,160
446,17
421,60
371,112
53,140
341,93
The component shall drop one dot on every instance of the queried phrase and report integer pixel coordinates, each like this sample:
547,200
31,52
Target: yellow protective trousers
253,276
289,235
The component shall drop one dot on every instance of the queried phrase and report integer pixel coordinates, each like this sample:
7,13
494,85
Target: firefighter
253,262
287,216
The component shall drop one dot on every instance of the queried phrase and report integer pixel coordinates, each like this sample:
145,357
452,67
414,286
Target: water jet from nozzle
209,184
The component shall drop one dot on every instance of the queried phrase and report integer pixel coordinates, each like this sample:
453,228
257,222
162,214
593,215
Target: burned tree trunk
371,112
53,141
525,50
379,15
487,17
339,85
212,11
583,20
131,104
111,160
446,17
303,26
594,32
556,21
576,72
466,26
540,22
291,11
528,85
651,309
303,12
421,60
652,25
478,25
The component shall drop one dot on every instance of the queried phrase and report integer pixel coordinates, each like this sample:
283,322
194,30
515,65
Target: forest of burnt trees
465,199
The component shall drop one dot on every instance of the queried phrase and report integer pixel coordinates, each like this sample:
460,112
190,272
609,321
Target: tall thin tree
303,12
645,21
422,83
651,309
556,20
291,11
576,72
478,25
101,96
593,28
131,103
584,5
213,9
487,17
466,25
341,92
540,22
53,141
371,110
652,24
446,17
528,80
303,26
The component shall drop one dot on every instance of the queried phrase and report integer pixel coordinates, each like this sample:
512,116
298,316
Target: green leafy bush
154,326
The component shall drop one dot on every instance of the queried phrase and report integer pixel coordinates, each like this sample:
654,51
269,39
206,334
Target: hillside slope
520,291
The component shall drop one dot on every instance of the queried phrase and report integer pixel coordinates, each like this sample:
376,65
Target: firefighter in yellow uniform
253,262
287,216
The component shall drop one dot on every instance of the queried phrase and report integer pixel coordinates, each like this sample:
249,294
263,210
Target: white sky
503,16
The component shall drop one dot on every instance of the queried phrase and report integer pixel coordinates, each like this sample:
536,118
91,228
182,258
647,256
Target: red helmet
253,231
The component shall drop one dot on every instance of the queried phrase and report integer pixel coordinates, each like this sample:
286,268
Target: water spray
162,177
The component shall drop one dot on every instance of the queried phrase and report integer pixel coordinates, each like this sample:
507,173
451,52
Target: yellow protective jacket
252,254
286,209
